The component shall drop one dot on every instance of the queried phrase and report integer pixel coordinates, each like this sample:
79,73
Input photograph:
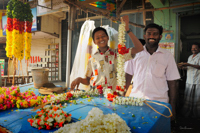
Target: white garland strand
121,60
128,101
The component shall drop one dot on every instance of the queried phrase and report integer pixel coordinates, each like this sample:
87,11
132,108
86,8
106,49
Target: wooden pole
85,9
144,12
157,9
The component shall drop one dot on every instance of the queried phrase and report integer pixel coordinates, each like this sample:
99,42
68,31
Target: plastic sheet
145,120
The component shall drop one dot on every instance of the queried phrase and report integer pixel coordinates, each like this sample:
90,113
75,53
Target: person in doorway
101,67
154,69
191,106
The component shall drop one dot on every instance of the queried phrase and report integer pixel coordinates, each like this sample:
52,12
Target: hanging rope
146,102
101,20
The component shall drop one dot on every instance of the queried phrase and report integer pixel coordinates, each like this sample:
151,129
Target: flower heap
31,101
121,60
12,97
28,34
128,101
50,116
97,122
8,97
9,29
61,98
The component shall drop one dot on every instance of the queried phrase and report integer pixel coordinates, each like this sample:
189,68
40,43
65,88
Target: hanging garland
28,34
18,13
17,34
121,82
9,29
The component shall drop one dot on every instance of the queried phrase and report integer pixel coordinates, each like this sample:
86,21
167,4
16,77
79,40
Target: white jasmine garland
128,101
97,122
121,60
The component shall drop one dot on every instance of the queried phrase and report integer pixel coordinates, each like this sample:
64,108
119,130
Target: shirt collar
98,51
157,51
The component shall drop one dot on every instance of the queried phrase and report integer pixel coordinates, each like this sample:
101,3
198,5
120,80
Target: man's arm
191,65
128,81
173,89
137,44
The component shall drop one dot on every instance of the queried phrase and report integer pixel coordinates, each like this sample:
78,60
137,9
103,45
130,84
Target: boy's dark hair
153,25
98,29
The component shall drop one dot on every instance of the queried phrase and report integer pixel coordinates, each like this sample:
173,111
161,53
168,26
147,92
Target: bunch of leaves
28,15
18,10
9,9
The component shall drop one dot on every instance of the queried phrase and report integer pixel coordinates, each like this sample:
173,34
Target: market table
145,120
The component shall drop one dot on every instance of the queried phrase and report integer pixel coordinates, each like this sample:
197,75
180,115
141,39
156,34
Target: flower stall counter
140,119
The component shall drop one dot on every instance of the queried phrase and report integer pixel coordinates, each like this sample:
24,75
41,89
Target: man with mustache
191,107
154,69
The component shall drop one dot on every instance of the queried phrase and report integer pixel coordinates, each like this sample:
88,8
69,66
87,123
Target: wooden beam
144,13
70,2
157,9
98,9
163,2
87,1
120,7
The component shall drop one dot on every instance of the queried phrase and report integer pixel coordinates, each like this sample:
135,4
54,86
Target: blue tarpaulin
141,119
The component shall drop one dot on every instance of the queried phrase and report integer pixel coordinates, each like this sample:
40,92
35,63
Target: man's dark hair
153,25
196,44
98,29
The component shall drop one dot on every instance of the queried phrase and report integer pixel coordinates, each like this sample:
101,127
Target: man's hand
126,20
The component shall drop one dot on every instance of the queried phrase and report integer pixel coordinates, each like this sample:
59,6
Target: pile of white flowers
121,60
97,122
128,101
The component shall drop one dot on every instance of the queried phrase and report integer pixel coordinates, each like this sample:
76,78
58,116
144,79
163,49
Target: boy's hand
75,83
126,20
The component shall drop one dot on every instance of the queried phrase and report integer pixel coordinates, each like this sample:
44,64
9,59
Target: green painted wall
167,19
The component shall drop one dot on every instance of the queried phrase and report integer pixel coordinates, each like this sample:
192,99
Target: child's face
101,39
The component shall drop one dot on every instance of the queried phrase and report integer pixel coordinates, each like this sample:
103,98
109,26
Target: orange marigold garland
9,30
28,34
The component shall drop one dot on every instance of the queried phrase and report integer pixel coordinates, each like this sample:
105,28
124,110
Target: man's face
195,49
152,37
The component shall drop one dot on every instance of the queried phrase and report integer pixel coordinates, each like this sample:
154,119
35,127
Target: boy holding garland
101,67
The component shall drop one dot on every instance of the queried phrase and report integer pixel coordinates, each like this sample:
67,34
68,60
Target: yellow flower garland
9,44
28,38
